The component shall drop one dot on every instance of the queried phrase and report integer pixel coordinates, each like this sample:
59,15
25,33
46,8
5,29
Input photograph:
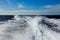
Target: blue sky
28,4
37,7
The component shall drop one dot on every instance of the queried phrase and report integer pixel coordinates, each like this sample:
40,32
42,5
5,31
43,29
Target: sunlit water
29,28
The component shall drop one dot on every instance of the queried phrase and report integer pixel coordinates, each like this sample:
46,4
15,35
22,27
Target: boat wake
30,28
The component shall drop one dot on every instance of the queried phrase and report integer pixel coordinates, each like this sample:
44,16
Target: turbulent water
30,28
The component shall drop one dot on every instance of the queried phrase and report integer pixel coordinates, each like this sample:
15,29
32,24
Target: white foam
12,30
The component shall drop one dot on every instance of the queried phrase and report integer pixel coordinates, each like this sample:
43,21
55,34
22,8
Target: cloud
52,10
19,12
20,6
57,6
48,6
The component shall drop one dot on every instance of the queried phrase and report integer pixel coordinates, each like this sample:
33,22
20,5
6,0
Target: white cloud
57,6
19,12
48,6
52,10
20,6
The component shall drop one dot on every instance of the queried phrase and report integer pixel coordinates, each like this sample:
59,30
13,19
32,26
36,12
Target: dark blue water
9,17
5,17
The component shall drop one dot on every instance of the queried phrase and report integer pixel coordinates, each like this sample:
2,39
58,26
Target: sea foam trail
27,28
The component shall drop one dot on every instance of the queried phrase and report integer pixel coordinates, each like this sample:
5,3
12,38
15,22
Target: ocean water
29,28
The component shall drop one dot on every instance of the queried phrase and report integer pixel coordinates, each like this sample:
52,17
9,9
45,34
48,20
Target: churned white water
29,28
